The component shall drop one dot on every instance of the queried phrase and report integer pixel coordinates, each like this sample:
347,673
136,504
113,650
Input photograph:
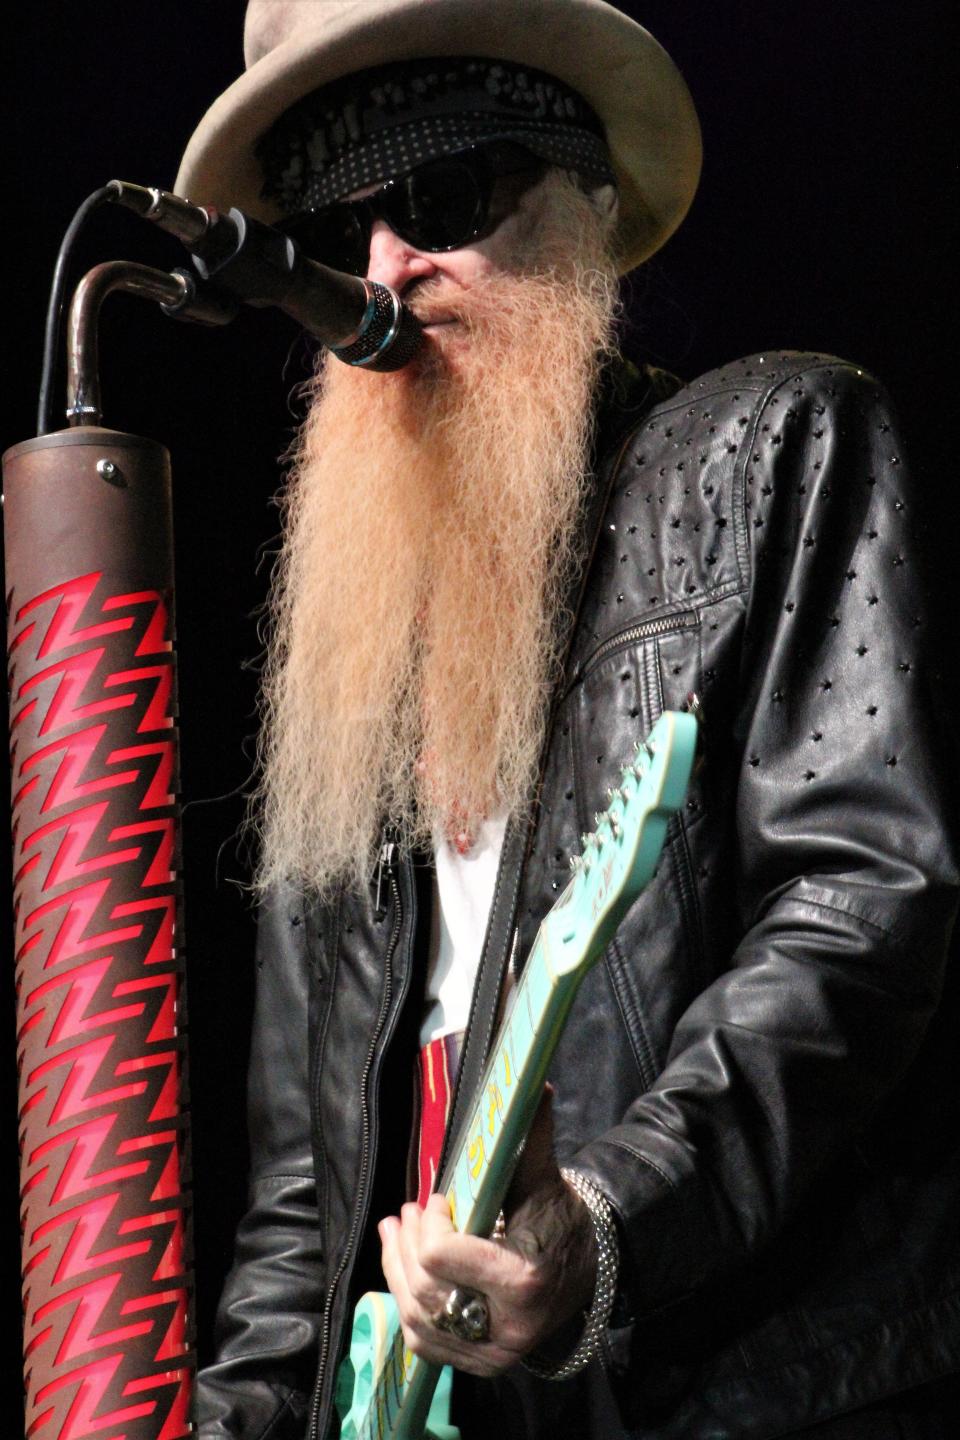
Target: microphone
361,322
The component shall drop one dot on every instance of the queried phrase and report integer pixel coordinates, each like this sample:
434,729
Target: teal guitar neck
395,1395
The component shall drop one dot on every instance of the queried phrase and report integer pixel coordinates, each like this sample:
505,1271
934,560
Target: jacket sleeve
268,1319
844,884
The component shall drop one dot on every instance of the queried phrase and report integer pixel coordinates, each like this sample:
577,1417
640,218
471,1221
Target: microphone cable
53,329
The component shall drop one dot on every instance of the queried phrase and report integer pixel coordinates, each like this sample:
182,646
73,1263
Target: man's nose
395,262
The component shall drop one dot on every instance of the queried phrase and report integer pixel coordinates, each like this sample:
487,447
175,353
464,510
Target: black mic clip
198,303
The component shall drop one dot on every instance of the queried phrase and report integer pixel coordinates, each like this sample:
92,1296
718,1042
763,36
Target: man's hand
534,1280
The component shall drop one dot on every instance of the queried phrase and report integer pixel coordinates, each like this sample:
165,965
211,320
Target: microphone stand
101,995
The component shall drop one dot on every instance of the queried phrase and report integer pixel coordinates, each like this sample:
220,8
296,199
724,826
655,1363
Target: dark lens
439,206
336,237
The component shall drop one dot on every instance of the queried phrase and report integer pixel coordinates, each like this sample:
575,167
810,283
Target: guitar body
375,1322
387,1393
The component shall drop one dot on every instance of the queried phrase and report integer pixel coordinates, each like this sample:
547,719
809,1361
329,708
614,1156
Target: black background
824,221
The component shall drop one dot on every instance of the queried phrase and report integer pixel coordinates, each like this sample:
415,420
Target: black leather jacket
752,1074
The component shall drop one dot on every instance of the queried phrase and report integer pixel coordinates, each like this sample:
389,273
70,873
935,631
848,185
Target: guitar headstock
620,854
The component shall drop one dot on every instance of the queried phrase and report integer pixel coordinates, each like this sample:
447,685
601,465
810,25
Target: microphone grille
390,338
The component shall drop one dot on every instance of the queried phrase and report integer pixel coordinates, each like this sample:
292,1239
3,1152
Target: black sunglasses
440,205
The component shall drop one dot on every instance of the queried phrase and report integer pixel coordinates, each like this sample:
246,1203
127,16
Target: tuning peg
643,761
600,817
576,863
616,827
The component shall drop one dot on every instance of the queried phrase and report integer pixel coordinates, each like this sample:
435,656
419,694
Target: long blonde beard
430,533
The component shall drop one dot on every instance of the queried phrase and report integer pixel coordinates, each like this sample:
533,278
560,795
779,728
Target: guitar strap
486,994
613,426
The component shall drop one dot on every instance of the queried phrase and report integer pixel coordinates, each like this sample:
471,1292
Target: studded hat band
385,121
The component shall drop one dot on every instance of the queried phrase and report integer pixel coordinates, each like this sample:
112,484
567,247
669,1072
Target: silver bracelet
608,1266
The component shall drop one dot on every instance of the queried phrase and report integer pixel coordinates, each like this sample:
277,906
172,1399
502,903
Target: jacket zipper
649,630
386,865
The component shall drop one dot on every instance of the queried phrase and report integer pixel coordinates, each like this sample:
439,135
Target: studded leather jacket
761,1072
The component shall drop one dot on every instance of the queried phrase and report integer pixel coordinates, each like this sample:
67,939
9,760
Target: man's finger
425,1287
452,1259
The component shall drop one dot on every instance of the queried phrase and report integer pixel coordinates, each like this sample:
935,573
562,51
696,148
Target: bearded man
500,565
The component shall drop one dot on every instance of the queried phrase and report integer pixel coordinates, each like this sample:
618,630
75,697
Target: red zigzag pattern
105,1264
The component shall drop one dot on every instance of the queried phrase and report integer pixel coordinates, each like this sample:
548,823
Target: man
500,565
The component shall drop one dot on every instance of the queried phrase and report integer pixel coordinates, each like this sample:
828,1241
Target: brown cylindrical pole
98,942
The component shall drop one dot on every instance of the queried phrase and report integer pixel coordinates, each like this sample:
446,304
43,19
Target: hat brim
615,64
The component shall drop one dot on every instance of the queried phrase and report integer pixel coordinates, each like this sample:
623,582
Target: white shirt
462,895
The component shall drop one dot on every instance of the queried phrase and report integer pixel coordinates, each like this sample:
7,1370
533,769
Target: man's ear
607,200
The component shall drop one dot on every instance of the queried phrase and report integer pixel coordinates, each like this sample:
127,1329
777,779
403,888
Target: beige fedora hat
293,47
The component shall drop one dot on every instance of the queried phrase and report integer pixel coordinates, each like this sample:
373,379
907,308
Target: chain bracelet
608,1266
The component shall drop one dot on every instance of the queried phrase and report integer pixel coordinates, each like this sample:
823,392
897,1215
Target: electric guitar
384,1392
